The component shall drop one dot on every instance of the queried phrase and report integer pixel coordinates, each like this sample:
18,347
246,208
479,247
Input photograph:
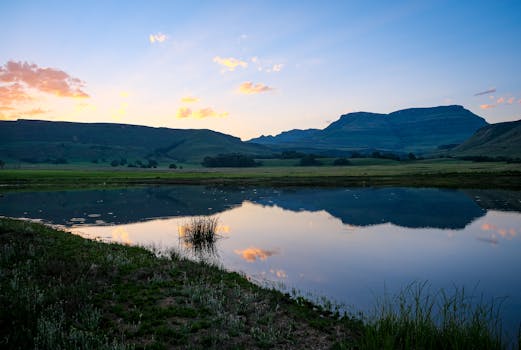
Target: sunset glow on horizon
255,68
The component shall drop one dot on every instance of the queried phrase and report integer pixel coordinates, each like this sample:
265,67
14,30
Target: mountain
495,140
37,141
414,129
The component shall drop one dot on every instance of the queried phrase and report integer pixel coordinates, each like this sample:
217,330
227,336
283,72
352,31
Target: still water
348,244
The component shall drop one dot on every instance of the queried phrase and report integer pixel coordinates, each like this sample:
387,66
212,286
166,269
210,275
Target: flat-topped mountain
495,140
39,141
414,129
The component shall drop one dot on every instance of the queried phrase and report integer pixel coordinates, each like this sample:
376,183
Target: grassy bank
432,173
60,291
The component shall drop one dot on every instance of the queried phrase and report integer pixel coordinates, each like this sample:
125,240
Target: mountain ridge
494,140
413,129
38,140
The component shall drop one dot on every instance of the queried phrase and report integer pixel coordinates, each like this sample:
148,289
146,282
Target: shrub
341,162
235,160
309,160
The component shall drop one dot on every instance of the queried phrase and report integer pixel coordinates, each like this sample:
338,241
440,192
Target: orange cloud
189,99
34,111
13,93
249,88
511,100
252,254
21,76
157,38
230,63
185,112
486,106
500,100
208,112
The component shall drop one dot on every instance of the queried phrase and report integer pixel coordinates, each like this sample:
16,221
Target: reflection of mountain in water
408,207
116,206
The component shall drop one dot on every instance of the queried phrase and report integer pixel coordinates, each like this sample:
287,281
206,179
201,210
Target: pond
350,245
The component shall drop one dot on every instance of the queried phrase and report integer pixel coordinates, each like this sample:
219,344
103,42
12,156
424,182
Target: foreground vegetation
60,291
361,172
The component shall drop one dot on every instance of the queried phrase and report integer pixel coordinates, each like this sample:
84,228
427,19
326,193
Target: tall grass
417,318
200,234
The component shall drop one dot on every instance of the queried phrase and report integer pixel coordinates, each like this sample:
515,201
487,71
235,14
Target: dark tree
376,154
114,162
355,154
291,155
2,164
309,160
411,156
341,161
172,166
235,160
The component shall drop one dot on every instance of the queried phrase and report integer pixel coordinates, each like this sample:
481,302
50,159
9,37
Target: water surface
349,244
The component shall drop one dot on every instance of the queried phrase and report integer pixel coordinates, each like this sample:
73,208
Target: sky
256,67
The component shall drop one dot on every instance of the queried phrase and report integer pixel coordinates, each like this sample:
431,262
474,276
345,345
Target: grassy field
363,172
60,291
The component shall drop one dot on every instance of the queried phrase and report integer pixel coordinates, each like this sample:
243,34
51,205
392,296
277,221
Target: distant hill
495,140
414,129
37,141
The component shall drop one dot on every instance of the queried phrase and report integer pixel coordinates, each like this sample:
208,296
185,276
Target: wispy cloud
277,67
230,63
486,92
157,38
184,112
500,100
34,111
511,100
22,75
250,88
252,254
268,67
189,99
487,106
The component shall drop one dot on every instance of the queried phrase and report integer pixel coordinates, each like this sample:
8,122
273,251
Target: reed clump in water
200,233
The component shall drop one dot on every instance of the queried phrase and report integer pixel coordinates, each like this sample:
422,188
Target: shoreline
62,290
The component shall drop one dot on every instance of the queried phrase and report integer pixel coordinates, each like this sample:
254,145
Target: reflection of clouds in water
251,254
279,273
223,229
503,232
120,234
81,220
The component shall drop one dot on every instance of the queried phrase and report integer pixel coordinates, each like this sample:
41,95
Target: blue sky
255,68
